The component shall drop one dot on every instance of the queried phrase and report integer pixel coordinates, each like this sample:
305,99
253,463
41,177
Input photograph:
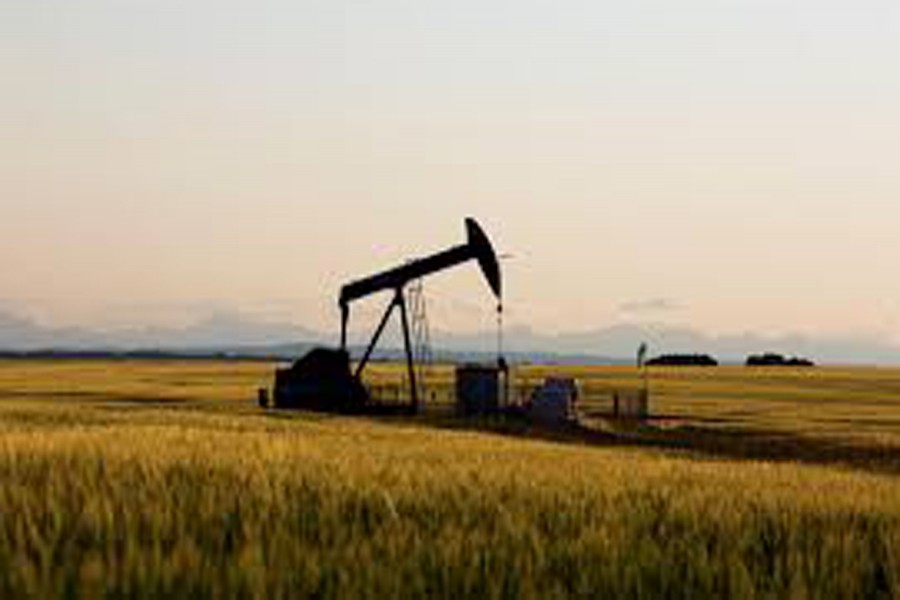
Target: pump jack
322,380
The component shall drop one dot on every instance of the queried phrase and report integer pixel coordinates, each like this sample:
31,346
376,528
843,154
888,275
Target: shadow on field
697,441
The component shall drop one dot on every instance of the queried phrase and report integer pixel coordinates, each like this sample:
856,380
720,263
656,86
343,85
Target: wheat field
148,479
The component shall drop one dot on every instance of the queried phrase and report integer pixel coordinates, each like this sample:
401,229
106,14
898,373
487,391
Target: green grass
163,478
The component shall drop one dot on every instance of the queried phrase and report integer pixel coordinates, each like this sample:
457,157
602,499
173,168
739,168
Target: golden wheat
149,479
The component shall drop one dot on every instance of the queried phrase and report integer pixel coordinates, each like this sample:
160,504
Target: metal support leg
378,331
345,315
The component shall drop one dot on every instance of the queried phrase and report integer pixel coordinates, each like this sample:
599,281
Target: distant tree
800,362
684,360
772,359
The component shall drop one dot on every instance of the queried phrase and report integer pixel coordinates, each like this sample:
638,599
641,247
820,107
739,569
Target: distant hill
224,332
290,352
218,330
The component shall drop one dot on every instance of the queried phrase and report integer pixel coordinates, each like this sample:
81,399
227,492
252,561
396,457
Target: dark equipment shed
477,390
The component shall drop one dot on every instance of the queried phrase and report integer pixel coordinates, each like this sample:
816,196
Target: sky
727,165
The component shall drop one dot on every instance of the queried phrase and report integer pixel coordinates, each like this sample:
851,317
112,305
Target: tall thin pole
499,330
414,395
502,365
642,367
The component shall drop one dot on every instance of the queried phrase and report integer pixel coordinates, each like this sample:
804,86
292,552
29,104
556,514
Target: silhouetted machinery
323,380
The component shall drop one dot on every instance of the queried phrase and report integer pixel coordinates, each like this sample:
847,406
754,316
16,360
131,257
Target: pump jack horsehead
322,380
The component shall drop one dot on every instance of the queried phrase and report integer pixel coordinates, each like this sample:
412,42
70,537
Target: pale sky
730,165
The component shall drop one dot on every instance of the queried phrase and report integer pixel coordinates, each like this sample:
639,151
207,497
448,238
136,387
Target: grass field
163,478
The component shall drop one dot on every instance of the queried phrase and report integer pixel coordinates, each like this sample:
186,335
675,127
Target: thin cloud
649,306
